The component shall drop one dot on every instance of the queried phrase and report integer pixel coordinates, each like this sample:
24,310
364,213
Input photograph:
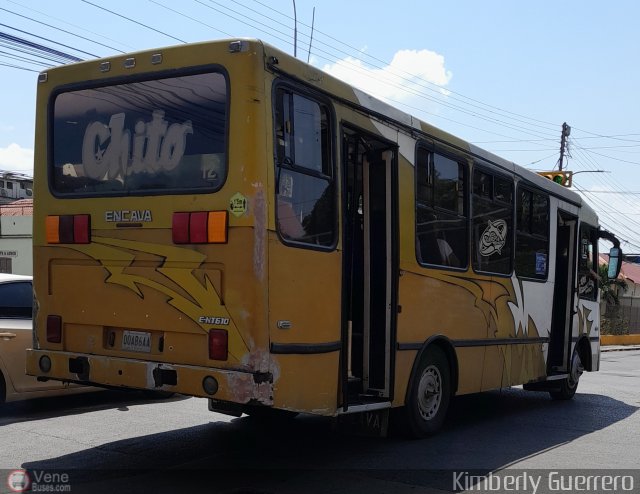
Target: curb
619,348
627,339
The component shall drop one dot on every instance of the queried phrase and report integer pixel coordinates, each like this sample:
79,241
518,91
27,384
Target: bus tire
428,399
3,389
569,385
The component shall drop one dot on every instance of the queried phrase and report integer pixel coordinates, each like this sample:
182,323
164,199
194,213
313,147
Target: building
14,186
16,237
630,298
629,308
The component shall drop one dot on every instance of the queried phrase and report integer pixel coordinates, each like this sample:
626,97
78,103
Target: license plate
136,341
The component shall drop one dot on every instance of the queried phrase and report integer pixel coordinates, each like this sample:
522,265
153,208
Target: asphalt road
118,442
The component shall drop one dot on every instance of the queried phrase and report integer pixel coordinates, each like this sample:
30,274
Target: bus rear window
138,138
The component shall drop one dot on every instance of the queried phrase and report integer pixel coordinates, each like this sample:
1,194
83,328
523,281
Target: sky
503,75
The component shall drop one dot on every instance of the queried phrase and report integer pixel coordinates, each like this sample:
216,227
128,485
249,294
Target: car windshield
16,299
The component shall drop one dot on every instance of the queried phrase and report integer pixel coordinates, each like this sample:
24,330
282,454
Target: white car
16,328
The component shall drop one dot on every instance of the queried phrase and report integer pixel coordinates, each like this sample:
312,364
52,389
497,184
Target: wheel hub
429,392
576,370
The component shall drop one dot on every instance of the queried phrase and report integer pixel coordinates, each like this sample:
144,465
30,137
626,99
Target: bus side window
492,223
441,218
532,234
587,263
305,211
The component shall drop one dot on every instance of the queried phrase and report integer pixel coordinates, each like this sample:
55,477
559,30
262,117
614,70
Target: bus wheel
429,396
569,385
3,389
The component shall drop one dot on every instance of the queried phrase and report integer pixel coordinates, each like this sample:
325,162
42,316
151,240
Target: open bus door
369,270
563,294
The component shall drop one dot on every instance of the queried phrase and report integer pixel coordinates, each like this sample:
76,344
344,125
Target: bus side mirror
615,263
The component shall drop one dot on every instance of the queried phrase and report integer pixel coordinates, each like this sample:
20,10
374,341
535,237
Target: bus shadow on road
483,433
73,404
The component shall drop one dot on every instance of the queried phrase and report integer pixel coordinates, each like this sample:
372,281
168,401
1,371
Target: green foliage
609,288
611,321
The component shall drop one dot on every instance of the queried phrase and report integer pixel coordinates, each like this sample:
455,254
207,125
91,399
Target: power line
190,18
494,121
630,192
613,158
614,147
435,115
18,67
605,179
62,30
19,47
542,159
613,218
551,125
22,59
520,150
601,136
71,57
49,16
603,207
438,91
367,74
134,21
396,72
573,138
441,88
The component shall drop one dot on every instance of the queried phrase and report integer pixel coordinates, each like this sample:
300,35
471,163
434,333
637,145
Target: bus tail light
218,224
54,329
68,229
180,228
200,227
218,344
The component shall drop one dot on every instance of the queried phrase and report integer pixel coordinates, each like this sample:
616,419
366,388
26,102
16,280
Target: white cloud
16,159
402,81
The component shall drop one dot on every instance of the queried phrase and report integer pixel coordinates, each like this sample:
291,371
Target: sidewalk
619,348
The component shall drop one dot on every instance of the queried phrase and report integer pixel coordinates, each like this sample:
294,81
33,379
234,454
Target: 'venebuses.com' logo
19,481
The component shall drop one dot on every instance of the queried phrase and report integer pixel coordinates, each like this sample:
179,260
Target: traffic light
560,177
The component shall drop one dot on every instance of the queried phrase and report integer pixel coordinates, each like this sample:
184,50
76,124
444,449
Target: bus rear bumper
223,385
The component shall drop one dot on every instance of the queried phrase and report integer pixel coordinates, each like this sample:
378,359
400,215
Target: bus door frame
569,220
388,153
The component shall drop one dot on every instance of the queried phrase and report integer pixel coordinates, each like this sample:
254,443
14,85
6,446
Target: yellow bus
222,220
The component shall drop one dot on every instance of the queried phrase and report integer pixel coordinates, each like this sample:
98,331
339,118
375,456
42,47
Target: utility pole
566,132
295,30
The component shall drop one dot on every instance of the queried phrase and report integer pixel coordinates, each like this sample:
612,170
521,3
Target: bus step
354,386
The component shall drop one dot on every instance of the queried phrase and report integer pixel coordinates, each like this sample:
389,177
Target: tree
609,288
611,321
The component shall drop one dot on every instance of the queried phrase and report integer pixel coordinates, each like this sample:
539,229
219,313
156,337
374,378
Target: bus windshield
157,135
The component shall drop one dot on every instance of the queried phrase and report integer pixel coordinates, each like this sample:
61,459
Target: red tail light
180,228
82,229
218,344
54,329
200,227
68,229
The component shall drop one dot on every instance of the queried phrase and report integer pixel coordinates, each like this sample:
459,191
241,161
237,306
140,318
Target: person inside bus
447,255
434,248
